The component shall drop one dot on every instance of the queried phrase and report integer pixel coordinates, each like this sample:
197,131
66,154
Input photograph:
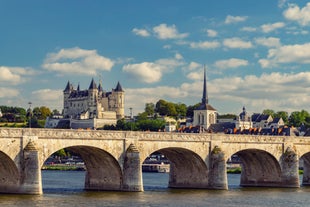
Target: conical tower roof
92,85
118,87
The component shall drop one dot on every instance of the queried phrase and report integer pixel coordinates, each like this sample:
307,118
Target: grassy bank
64,167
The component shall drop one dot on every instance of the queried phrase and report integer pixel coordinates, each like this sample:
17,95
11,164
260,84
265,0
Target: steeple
92,85
204,99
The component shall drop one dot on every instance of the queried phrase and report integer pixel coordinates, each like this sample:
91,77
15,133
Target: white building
243,121
205,114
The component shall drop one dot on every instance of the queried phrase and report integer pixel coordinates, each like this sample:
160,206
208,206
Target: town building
243,121
204,115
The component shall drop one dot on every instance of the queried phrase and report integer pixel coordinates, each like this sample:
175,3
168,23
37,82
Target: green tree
283,115
45,112
149,109
161,107
269,112
297,118
181,109
190,110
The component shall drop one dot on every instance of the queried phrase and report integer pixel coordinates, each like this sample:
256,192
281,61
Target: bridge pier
132,176
289,164
31,181
217,170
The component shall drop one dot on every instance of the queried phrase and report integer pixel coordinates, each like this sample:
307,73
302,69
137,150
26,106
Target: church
205,115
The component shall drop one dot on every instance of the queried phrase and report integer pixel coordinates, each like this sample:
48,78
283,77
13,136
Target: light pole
130,118
29,113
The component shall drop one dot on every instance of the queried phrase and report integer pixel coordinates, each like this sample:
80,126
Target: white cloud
237,43
146,72
299,54
48,94
163,31
14,75
268,42
266,28
248,29
8,92
77,61
151,72
194,76
205,45
300,15
231,63
211,33
48,97
141,32
234,19
265,91
194,65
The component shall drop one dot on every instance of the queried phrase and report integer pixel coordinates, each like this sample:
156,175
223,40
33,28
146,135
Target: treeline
296,118
37,116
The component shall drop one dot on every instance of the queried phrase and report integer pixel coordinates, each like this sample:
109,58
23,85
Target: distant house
0,113
276,123
261,120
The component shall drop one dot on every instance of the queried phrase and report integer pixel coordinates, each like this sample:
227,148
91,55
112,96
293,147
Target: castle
90,108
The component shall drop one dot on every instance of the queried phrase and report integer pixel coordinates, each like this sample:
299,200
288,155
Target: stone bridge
114,159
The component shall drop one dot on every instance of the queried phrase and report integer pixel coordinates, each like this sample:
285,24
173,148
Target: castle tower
67,92
93,99
119,101
205,114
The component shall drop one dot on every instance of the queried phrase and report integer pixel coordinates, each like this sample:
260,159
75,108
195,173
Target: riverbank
64,167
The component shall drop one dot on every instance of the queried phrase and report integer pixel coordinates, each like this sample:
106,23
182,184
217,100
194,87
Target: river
65,188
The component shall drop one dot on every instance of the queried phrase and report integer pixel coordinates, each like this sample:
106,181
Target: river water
65,188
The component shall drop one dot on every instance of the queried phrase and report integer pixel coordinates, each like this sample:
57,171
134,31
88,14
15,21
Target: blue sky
257,53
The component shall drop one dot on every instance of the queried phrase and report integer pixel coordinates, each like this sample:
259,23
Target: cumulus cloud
194,65
256,91
248,29
234,19
151,72
231,63
266,28
141,32
48,97
287,54
8,92
163,31
15,75
237,43
268,42
300,15
77,61
205,45
211,33
53,95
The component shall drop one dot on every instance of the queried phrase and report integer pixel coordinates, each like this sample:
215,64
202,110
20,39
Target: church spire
204,99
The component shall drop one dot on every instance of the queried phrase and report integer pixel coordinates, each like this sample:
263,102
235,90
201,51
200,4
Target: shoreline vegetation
236,170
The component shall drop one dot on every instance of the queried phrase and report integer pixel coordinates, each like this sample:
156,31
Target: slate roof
118,87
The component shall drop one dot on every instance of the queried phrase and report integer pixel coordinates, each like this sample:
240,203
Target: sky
256,53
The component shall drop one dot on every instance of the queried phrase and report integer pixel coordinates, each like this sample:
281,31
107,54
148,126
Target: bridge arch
306,168
103,171
259,168
187,168
9,174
